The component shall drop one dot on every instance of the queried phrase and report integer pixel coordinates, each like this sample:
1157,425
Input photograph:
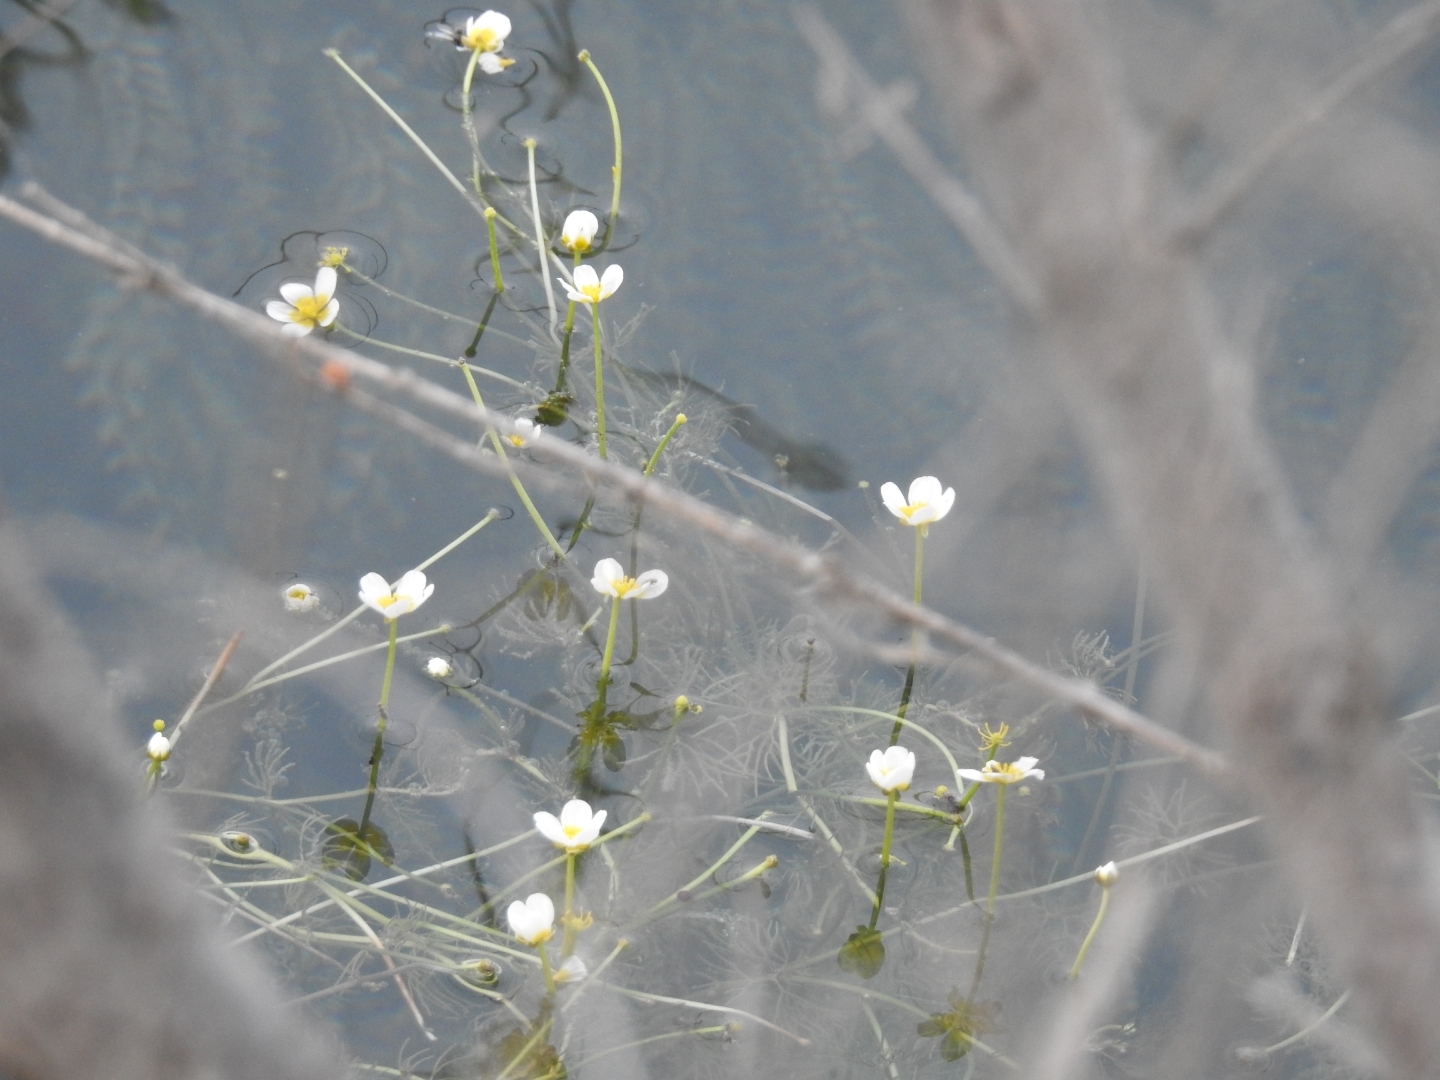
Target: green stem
994,889
472,135
1094,929
564,371
520,491
567,936
599,378
914,639
609,646
494,246
479,330
545,969
679,422
884,856
619,154
379,749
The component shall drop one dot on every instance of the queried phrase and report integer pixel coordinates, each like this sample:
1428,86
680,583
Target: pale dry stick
1404,35
211,679
825,572
881,113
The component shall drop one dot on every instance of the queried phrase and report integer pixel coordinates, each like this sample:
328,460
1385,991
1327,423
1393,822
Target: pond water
791,290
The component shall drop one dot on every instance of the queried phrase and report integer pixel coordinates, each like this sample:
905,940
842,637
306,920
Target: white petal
279,310
607,574
891,497
650,584
325,282
946,502
975,776
571,294
495,21
327,316
1025,764
372,588
924,489
586,278
490,64
295,329
295,291
575,814
579,225
549,827
609,281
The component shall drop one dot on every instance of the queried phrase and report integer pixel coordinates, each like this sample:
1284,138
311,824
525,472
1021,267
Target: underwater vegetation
527,729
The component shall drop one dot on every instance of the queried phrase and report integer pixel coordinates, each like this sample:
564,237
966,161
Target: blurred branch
1168,415
72,229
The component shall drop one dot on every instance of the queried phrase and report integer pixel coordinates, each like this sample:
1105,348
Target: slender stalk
599,378
474,346
994,889
520,491
545,969
541,247
920,531
567,935
884,856
379,750
619,154
494,248
1090,937
609,646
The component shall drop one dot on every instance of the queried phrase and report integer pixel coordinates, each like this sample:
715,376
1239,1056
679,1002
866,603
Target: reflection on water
808,312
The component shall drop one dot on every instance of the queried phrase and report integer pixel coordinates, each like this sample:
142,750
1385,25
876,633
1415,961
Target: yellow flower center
591,292
514,440
298,594
481,39
625,586
308,310
386,601
572,831
334,256
578,244
1005,773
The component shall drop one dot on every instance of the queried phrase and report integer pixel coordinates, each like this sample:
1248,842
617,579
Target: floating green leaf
958,1027
863,953
348,850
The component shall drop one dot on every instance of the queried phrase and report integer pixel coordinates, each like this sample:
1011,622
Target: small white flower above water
891,769
393,601
158,748
482,34
575,829
526,433
1107,875
300,598
304,308
998,772
578,232
925,503
590,288
532,920
437,667
610,580
571,971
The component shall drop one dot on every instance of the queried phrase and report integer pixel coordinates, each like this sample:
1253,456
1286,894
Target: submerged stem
599,378
1090,937
914,639
379,750
890,798
567,934
994,889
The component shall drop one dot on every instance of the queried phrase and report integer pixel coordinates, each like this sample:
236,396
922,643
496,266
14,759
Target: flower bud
1107,875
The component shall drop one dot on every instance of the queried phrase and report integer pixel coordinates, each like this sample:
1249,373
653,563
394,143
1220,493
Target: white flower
574,830
532,920
301,598
158,749
997,772
572,970
589,289
437,667
579,232
891,769
926,503
407,594
610,580
525,434
1107,875
304,308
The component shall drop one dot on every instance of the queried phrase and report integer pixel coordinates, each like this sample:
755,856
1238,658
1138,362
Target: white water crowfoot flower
590,288
578,233
925,504
437,667
304,308
532,920
610,580
574,830
405,596
483,35
1107,875
525,434
158,748
300,598
891,769
572,970
998,772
